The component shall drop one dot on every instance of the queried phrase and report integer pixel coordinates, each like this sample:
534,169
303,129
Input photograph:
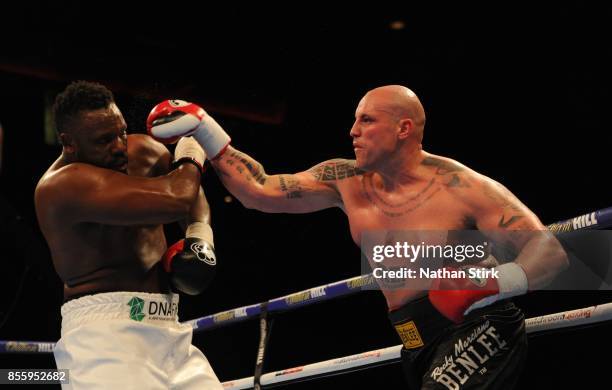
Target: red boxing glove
456,297
172,119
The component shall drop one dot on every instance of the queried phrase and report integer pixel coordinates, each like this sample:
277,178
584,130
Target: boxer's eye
104,140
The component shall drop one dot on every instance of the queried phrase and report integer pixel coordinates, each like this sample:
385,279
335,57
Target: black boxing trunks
486,351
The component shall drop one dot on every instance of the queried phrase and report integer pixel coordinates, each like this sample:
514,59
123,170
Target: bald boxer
101,206
462,334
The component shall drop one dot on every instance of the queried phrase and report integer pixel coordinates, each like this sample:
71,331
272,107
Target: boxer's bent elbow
183,197
559,255
555,254
556,260
181,188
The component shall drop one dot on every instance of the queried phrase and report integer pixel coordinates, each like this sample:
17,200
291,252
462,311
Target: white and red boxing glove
456,297
173,119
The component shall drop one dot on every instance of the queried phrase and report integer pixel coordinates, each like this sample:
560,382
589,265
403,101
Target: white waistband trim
160,309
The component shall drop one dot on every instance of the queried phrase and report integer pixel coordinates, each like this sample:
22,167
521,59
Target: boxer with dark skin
101,207
102,203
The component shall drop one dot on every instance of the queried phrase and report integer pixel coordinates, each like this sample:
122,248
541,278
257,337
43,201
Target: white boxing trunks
130,340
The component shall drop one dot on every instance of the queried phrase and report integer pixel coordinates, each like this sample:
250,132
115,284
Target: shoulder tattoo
450,172
337,169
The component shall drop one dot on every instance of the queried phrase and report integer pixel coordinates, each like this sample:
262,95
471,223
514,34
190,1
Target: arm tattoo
504,199
254,170
505,223
511,241
337,169
520,234
291,186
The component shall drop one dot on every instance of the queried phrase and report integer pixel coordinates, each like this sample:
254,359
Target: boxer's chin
361,164
122,167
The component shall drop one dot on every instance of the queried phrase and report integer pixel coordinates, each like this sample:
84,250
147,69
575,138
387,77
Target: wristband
200,230
211,136
190,160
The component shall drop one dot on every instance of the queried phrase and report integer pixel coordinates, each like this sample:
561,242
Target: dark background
519,93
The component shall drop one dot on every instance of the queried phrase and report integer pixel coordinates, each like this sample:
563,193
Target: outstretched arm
244,177
303,192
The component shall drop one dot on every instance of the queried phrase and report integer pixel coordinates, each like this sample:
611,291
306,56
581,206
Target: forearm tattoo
244,165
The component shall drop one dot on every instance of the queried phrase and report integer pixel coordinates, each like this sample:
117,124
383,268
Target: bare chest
427,206
119,240
90,246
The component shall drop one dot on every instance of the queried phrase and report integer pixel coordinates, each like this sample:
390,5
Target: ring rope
365,360
599,219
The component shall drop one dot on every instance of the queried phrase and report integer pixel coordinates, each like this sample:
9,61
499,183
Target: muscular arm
157,161
303,192
200,210
85,193
160,163
510,223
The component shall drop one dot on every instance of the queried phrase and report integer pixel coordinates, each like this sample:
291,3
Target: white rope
585,316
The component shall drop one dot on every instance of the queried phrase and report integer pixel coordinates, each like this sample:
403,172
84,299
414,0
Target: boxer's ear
67,141
406,128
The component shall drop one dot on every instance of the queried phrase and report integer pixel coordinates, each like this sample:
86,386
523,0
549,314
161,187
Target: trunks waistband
418,323
160,309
